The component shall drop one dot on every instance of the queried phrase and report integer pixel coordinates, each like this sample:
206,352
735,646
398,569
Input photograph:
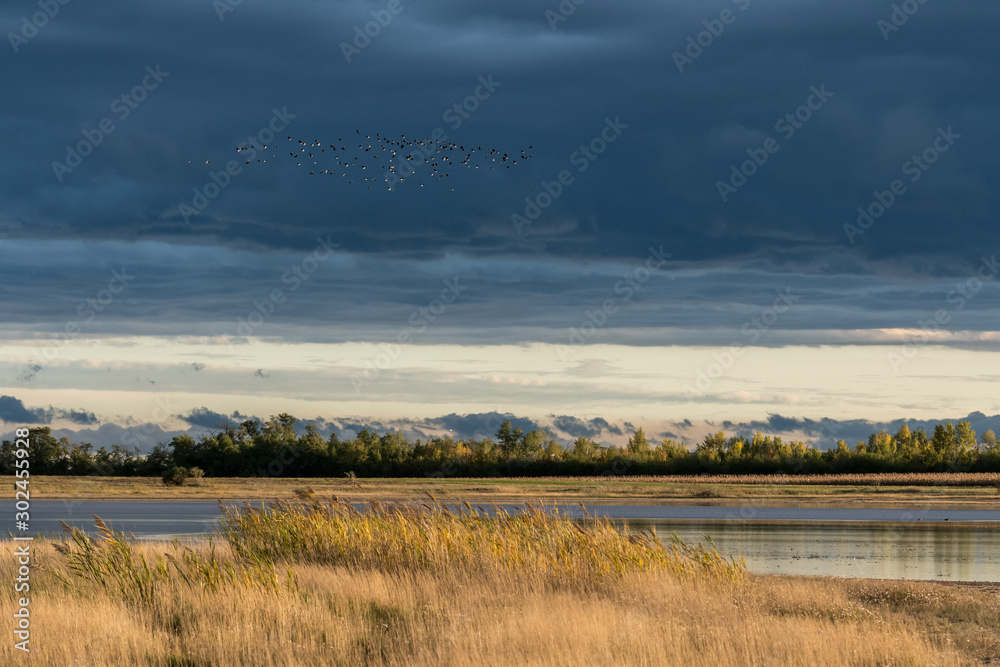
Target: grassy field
321,584
969,489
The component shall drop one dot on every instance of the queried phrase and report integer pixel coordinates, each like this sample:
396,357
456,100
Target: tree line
272,448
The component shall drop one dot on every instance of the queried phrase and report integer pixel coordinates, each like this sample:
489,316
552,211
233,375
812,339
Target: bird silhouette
395,159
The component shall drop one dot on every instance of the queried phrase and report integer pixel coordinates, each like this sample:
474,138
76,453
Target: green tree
713,443
904,439
761,446
49,456
736,447
282,427
393,449
81,460
157,461
637,444
553,450
584,448
966,437
881,443
670,449
508,438
184,450
944,442
533,443
989,441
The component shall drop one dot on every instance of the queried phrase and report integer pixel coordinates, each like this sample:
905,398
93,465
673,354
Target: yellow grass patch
413,585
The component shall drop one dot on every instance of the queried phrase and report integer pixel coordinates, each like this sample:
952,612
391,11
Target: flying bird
396,159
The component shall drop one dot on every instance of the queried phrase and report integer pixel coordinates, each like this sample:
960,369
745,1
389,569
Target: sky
736,215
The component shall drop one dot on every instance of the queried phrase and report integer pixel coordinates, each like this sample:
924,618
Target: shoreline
671,491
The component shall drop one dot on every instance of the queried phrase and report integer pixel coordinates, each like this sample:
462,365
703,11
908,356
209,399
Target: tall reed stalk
437,537
114,562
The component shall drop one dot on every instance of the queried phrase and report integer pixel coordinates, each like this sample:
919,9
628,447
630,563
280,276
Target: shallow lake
889,543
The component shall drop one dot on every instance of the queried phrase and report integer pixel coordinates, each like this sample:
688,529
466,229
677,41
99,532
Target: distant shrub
195,474
176,476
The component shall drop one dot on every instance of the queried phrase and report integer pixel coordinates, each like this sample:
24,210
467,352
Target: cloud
77,416
29,373
656,182
13,410
208,419
591,428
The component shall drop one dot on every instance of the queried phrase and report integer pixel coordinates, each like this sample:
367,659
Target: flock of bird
387,161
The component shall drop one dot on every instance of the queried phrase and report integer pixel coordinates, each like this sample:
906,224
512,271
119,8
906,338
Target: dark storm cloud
590,428
160,288
211,420
13,410
685,129
219,81
473,426
76,416
479,425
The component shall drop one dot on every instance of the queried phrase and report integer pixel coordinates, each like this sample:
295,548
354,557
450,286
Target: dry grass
405,537
928,488
980,479
343,617
542,597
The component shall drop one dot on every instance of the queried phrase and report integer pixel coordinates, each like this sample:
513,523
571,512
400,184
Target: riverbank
402,586
648,490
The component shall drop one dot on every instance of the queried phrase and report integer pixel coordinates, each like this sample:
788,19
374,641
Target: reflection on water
905,551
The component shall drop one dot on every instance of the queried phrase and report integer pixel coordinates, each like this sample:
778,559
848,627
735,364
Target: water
878,551
889,543
149,520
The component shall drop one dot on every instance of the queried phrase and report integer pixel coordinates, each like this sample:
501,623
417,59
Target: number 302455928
22,464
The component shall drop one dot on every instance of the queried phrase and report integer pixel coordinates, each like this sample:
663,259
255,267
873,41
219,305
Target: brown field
412,586
870,479
923,488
